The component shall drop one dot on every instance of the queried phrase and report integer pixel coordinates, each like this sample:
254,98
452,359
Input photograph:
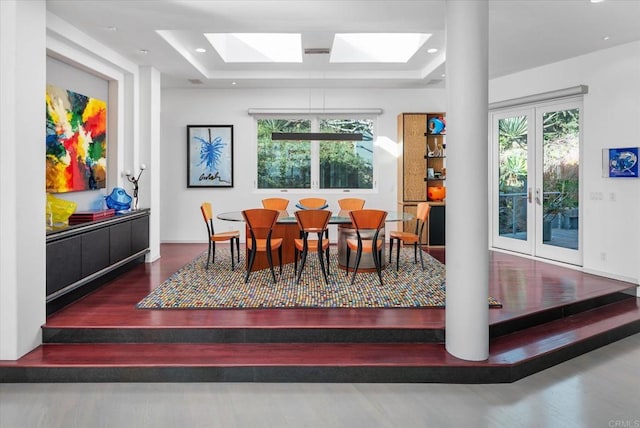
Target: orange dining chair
232,236
351,204
310,222
279,204
405,238
260,222
312,204
367,224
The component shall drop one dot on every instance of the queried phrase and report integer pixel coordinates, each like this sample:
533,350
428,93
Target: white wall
611,119
22,205
181,219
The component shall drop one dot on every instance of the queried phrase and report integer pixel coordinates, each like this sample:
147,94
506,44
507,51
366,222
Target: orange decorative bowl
436,193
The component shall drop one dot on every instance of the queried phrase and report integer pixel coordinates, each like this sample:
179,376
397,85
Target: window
315,164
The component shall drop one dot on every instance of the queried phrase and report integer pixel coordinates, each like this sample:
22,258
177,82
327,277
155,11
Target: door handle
538,200
529,196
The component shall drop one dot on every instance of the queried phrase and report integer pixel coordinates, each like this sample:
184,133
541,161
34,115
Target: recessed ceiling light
432,50
233,83
376,47
597,1
257,47
143,51
443,75
201,50
112,28
605,38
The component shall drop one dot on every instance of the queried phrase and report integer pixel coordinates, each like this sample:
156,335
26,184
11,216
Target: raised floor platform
550,314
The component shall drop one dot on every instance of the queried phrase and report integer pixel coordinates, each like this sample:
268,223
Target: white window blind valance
544,96
312,111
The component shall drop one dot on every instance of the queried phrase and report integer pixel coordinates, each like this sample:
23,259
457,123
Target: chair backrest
207,215
275,203
350,204
313,221
312,203
422,214
368,219
260,221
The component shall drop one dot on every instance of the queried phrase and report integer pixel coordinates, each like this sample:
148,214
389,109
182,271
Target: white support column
150,154
467,255
22,165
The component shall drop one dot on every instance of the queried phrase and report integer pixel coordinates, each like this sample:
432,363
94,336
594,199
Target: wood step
512,357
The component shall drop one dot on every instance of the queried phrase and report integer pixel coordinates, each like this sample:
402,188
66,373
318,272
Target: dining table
287,228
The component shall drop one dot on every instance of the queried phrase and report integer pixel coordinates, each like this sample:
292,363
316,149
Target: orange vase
436,193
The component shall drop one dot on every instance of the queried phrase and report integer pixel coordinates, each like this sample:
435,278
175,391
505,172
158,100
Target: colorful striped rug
194,287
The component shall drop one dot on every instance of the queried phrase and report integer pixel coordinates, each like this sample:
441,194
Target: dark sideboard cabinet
79,256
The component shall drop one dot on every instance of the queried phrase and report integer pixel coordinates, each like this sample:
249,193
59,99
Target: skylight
376,47
257,47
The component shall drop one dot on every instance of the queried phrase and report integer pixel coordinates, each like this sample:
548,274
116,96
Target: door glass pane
283,164
512,213
347,164
560,185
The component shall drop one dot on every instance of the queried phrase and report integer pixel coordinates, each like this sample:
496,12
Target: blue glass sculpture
436,125
119,200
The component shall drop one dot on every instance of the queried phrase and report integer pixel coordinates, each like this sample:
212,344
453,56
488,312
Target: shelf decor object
437,125
118,200
621,162
209,155
135,180
436,193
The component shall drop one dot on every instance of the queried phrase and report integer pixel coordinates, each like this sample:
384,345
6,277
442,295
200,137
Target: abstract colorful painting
76,141
209,155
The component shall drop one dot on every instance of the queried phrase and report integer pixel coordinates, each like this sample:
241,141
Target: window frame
315,154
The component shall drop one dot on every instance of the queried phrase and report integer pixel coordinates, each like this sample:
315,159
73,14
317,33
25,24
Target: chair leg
398,256
252,257
213,252
328,262
321,258
421,259
280,258
415,252
270,260
295,261
355,268
302,263
238,249
391,248
208,254
231,246
377,260
347,267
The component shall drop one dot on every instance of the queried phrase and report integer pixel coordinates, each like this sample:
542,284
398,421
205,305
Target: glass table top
342,217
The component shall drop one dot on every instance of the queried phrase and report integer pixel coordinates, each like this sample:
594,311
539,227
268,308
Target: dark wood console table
78,256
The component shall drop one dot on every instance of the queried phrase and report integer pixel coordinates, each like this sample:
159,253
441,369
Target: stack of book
87,216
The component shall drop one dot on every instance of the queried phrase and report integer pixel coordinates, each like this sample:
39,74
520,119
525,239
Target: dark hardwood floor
550,314
523,286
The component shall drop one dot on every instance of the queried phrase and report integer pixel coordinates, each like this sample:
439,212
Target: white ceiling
522,34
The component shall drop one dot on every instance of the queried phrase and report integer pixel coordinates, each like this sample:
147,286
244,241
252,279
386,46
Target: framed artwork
76,141
209,155
623,162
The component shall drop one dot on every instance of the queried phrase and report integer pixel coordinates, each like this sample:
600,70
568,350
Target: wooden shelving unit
421,150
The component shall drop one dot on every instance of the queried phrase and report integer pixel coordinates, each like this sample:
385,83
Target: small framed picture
209,155
623,162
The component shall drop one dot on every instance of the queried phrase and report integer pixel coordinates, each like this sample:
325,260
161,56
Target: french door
536,180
